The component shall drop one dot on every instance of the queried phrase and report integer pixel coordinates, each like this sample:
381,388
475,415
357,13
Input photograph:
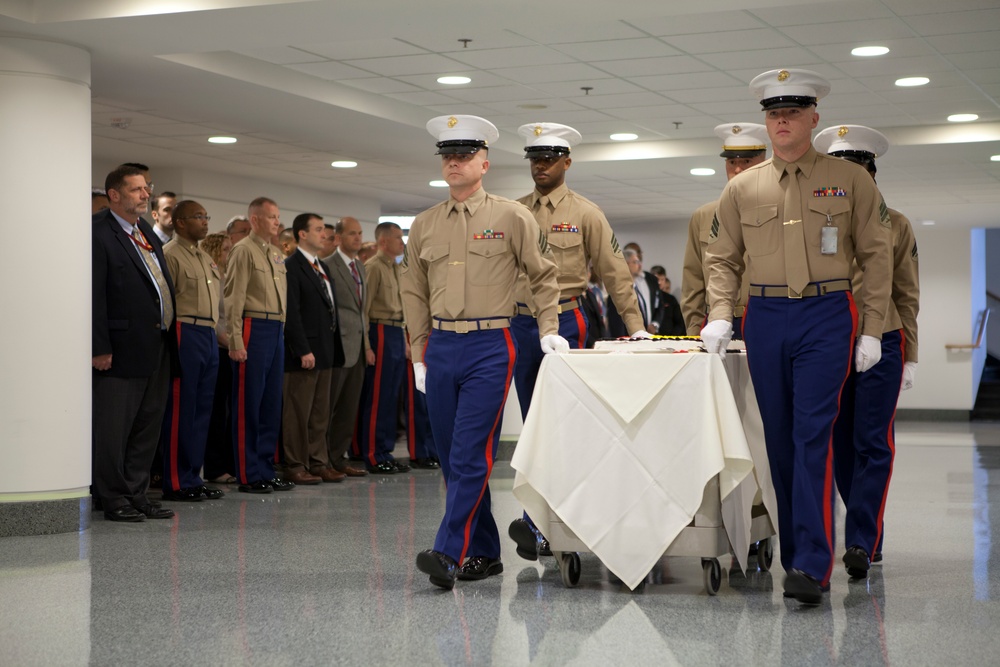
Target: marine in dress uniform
255,296
578,234
462,260
744,145
312,350
800,235
383,381
864,438
189,404
132,351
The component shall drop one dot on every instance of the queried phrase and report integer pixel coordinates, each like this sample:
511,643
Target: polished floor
325,576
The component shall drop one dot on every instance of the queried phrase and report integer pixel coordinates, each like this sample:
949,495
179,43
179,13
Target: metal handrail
984,316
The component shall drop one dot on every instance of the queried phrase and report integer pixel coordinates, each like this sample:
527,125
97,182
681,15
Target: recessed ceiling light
910,81
222,140
624,136
702,171
928,223
962,118
870,51
995,158
453,80
438,184
344,164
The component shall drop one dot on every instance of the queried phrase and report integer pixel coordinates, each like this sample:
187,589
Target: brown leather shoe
302,477
330,475
351,471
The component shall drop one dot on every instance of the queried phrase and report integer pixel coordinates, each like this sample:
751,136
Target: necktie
796,267
325,282
642,307
146,251
454,297
357,280
543,214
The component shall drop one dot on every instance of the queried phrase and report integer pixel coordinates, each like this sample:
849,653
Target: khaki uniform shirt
196,281
383,300
578,233
905,303
492,265
751,217
694,301
255,281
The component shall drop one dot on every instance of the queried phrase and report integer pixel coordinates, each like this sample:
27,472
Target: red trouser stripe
376,390
175,419
241,417
411,415
511,358
828,475
582,326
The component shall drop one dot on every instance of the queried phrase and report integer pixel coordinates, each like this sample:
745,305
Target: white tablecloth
620,447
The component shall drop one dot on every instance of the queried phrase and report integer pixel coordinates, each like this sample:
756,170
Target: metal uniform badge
828,239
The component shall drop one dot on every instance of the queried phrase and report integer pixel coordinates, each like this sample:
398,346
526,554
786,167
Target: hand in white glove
716,335
420,376
867,353
643,334
554,344
909,374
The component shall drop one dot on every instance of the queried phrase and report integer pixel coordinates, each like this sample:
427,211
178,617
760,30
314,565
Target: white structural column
45,299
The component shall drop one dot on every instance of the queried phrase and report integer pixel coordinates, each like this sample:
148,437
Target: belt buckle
461,326
792,294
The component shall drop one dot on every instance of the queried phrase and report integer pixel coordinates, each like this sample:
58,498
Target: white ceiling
304,83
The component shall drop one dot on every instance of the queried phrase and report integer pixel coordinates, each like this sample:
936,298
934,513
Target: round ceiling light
344,164
438,184
870,51
702,171
910,81
453,80
962,118
222,140
624,136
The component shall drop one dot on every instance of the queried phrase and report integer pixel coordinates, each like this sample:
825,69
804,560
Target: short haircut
232,222
258,204
116,179
137,165
629,253
287,235
659,271
327,225
154,201
181,207
301,223
383,228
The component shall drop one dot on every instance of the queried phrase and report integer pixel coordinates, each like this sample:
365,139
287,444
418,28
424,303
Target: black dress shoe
804,588
440,567
281,484
151,512
856,560
192,495
877,557
480,567
210,493
255,487
401,467
428,463
383,468
526,538
125,513
543,546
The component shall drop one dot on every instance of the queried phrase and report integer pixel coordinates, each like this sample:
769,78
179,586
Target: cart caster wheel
713,575
569,568
765,554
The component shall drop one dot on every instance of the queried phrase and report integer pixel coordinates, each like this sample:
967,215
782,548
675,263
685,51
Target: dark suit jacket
595,326
669,316
126,308
616,327
310,324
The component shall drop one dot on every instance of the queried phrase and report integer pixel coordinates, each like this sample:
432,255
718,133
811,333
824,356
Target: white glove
716,335
420,376
643,334
909,374
554,344
867,353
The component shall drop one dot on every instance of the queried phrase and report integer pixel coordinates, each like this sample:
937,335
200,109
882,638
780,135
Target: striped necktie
146,251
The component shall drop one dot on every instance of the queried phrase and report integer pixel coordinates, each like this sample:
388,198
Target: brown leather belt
812,289
197,321
257,315
389,323
465,326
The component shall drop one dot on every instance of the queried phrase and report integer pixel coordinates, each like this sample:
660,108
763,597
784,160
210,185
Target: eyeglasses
206,218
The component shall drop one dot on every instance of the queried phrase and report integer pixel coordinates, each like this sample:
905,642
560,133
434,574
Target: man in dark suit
647,293
312,349
348,274
133,309
668,320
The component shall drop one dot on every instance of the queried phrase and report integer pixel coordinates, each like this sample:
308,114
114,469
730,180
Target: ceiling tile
362,48
956,22
480,40
654,66
425,98
967,43
401,65
855,33
917,7
734,40
280,55
618,49
551,73
809,13
670,82
381,85
480,79
698,23
515,57
920,65
331,71
763,59
621,101
483,95
569,32
572,89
